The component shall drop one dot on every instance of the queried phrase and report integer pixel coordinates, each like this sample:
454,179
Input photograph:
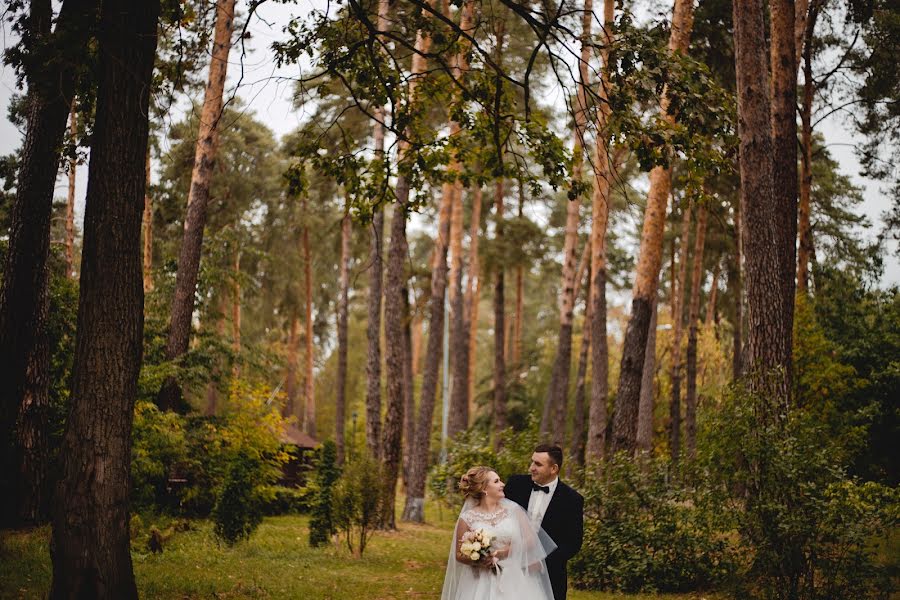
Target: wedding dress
522,574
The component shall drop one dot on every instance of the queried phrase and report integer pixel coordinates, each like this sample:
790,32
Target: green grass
276,562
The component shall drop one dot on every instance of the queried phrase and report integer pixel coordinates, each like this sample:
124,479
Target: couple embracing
513,539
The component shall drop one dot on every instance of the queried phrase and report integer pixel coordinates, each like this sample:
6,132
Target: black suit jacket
563,522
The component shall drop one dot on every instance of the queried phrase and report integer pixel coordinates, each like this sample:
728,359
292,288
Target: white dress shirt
539,501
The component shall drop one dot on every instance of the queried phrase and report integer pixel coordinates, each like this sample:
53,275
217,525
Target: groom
553,505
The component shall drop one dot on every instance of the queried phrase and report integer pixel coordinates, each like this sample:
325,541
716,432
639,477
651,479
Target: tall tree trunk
577,445
309,414
147,229
236,315
290,379
409,401
24,300
459,331
736,278
804,226
170,396
90,546
597,416
373,332
393,323
212,388
690,417
373,322
713,294
677,329
520,292
70,198
498,406
473,290
340,405
645,409
393,327
558,391
647,273
767,346
783,60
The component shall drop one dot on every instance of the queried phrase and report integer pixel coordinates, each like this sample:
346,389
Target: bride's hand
501,554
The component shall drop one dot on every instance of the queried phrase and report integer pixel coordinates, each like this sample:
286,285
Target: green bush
280,500
357,503
321,525
808,531
645,533
238,510
158,443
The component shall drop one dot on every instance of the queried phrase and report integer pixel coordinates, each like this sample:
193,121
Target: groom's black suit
563,522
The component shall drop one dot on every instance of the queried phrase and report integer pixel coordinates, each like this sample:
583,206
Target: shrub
238,509
280,500
321,525
357,503
158,443
645,533
808,531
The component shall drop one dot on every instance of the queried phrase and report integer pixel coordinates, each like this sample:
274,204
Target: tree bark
24,300
409,402
713,294
558,391
577,444
147,229
90,545
498,406
473,292
783,59
70,198
690,417
459,342
649,261
645,408
290,379
767,347
343,300
309,414
597,418
170,395
677,329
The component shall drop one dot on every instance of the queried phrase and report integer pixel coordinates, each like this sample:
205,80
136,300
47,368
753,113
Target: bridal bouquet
476,544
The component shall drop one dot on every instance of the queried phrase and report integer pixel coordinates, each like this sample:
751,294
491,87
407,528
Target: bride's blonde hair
474,482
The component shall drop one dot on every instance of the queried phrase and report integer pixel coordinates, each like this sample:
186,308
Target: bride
513,567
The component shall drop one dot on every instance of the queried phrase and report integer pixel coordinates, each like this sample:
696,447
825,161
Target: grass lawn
276,562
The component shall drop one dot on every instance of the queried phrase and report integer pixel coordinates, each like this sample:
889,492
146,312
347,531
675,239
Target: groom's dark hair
555,453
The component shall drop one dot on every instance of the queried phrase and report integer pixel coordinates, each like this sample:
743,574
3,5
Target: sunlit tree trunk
309,414
147,228
343,299
690,416
597,417
459,338
649,261
170,396
767,340
24,298
70,198
577,444
677,329
645,409
91,552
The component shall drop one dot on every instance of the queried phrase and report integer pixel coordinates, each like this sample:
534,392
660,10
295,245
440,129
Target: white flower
476,546
486,539
474,556
466,548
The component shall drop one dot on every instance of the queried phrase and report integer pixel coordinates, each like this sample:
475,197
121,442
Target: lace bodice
498,522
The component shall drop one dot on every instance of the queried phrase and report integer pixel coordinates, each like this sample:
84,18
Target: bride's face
494,489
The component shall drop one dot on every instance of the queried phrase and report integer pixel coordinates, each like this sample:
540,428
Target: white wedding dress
522,574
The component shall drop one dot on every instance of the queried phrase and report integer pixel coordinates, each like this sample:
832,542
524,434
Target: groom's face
543,470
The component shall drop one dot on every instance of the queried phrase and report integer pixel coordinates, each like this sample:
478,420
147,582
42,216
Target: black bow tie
540,488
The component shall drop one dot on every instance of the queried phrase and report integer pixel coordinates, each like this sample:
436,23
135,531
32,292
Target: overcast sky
266,90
